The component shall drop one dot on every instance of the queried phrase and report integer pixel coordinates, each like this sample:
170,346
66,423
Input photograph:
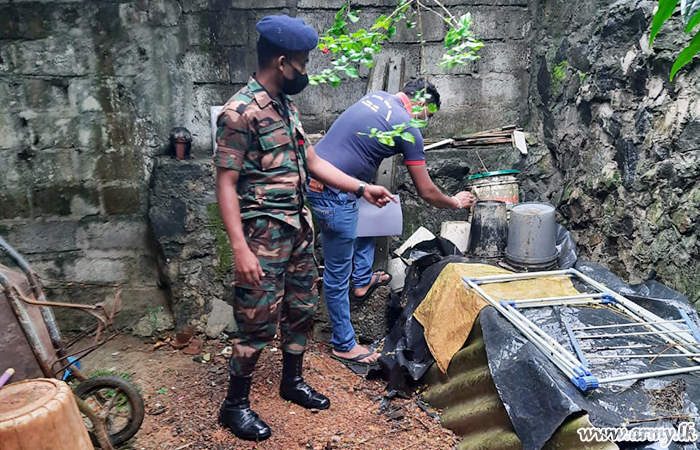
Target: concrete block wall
89,91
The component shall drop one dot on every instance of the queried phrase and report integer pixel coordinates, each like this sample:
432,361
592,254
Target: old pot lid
493,174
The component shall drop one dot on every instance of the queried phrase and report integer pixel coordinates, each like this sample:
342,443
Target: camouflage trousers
287,295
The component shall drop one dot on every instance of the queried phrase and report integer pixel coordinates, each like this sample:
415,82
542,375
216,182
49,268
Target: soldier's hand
378,195
248,269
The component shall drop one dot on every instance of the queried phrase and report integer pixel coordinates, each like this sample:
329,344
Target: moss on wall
223,246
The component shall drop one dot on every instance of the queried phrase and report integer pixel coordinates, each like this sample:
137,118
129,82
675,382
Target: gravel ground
183,396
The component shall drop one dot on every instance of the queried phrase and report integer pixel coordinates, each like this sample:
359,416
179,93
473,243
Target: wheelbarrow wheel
124,400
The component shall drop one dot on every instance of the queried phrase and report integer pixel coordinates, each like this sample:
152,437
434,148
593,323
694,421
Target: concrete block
46,95
121,199
154,322
118,165
124,234
347,94
503,88
57,55
320,4
500,23
490,3
457,92
19,137
11,170
15,204
242,62
22,22
205,31
42,236
11,93
51,129
58,200
48,168
257,4
220,318
206,67
434,29
97,270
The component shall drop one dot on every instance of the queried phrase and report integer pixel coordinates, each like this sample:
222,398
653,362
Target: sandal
374,283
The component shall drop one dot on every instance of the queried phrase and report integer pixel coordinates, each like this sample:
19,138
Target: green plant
153,316
110,372
399,130
162,391
348,50
559,73
690,11
223,247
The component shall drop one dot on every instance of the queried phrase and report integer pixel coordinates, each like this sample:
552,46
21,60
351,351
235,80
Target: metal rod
575,343
563,365
547,338
552,299
618,325
565,303
641,333
640,376
678,338
520,276
624,303
650,355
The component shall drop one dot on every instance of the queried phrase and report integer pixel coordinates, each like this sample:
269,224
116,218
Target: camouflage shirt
266,143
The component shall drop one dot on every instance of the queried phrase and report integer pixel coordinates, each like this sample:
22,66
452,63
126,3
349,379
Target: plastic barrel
500,185
489,229
41,414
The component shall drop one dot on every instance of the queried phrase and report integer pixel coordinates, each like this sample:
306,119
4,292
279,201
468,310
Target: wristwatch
360,190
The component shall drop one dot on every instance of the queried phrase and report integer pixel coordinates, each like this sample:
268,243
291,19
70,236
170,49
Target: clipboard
373,221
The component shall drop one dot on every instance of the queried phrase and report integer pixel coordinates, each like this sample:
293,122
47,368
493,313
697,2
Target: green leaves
398,131
666,8
690,11
460,44
686,55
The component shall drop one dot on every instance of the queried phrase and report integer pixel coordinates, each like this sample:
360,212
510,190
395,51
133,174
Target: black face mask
296,84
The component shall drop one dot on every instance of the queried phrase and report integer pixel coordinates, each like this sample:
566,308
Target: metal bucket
489,229
501,185
532,235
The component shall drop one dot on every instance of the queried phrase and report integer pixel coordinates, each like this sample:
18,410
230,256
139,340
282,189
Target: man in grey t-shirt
359,156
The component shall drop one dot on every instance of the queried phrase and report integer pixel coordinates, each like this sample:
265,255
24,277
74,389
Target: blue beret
292,34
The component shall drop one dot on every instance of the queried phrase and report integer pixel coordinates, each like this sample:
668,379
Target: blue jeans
336,215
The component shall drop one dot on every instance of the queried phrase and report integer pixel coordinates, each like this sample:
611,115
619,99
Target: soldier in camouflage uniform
262,160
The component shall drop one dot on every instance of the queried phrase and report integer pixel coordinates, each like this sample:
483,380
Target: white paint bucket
502,186
456,232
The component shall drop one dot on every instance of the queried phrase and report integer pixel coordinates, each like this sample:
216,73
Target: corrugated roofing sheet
472,408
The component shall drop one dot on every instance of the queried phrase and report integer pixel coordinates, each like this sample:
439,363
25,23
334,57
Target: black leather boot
293,387
236,414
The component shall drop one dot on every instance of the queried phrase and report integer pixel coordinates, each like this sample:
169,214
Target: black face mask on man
296,84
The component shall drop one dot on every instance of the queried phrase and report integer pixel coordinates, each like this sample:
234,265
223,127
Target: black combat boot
294,389
236,414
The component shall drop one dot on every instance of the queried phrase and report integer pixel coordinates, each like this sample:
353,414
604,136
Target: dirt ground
183,397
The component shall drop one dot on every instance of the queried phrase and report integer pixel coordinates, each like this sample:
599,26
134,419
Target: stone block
127,234
59,200
39,236
50,167
121,199
50,129
116,166
57,55
320,4
206,67
164,13
11,93
11,170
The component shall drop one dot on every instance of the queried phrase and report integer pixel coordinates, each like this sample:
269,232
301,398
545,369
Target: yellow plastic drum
41,414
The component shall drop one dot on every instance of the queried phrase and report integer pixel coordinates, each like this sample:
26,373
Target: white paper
373,221
421,234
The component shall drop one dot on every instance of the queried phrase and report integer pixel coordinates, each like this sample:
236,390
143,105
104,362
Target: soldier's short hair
267,52
418,84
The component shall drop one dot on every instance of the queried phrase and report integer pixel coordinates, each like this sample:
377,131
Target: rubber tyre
88,387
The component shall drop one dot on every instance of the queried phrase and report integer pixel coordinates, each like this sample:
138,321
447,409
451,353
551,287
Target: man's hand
248,269
378,195
464,198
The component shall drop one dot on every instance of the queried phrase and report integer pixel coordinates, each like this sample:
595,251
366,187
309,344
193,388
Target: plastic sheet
538,397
